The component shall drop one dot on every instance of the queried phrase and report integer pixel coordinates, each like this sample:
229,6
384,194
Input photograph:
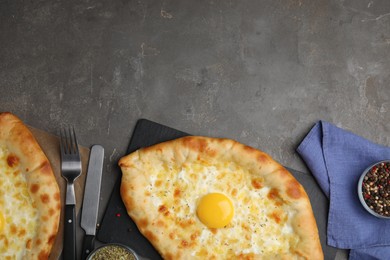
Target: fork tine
68,141
74,143
62,141
75,139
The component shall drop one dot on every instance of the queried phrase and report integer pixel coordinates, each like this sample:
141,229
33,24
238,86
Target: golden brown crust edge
257,162
20,140
41,181
304,223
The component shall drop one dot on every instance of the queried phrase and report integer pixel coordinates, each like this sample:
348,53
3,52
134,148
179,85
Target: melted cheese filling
17,208
260,225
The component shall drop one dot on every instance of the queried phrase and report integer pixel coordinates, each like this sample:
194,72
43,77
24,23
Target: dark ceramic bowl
360,190
103,247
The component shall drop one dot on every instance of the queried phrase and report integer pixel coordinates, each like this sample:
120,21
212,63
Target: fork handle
69,251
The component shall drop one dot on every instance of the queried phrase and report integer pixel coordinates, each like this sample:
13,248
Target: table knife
91,198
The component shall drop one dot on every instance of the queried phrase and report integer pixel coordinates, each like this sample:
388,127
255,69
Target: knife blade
91,198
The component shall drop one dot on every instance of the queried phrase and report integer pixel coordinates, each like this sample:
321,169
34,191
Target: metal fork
70,170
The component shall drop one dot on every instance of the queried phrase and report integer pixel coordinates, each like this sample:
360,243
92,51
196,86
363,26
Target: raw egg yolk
2,222
215,210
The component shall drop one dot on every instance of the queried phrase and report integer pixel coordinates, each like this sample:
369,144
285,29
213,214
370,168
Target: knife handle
88,246
69,251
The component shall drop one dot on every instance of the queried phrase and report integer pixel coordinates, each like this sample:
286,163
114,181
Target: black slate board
117,226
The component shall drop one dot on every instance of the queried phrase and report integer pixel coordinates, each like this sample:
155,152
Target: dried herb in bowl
376,188
112,251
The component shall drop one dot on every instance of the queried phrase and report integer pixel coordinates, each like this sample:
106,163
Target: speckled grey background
261,72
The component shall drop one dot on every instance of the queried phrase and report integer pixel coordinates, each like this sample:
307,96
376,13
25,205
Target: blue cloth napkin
337,158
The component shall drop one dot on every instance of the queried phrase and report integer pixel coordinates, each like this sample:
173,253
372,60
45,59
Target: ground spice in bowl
374,189
112,251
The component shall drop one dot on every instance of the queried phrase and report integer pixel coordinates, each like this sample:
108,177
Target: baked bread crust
263,171
25,153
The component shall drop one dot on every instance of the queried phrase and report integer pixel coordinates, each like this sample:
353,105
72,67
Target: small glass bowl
360,190
105,246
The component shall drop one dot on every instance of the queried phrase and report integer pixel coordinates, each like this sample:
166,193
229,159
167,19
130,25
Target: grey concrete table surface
261,72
